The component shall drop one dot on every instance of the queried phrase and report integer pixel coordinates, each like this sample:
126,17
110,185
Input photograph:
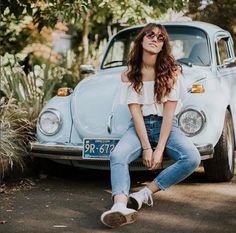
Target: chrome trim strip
52,151
35,146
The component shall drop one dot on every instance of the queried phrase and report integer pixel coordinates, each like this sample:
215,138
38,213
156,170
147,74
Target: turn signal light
197,88
64,91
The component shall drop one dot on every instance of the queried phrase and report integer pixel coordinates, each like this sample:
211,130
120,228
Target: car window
223,51
189,45
118,51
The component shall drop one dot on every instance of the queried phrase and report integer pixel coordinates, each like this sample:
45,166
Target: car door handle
109,123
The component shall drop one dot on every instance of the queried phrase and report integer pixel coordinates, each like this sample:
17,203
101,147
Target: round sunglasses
150,35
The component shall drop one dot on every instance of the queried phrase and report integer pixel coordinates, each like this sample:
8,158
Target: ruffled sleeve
127,94
178,91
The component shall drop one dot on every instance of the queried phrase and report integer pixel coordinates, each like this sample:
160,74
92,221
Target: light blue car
82,127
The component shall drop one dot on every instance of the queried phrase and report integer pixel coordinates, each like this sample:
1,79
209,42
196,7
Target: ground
72,200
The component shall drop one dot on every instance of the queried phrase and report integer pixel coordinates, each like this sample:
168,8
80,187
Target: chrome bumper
56,151
65,152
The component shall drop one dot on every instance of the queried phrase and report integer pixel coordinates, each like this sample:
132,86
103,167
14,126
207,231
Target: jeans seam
177,151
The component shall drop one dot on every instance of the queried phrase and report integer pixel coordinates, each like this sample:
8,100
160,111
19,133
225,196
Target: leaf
29,9
18,11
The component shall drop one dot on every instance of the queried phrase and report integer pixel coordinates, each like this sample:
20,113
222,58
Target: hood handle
109,123
114,104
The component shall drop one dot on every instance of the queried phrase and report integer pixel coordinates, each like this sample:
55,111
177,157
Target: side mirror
87,69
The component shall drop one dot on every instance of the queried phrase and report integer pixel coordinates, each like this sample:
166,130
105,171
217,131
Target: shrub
25,95
16,132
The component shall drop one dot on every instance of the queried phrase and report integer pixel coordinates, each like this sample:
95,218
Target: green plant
25,95
34,89
16,132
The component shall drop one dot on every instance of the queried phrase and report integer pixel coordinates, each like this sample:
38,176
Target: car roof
208,27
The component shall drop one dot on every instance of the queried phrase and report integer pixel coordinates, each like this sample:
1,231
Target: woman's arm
168,115
136,113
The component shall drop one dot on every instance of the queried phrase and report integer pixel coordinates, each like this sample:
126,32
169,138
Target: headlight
49,122
191,121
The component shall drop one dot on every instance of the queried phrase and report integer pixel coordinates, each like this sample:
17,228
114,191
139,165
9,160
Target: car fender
62,105
214,107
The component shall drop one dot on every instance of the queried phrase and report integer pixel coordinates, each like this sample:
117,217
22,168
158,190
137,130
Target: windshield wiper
187,63
117,61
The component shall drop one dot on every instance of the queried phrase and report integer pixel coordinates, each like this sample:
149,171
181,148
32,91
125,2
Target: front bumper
74,155
56,151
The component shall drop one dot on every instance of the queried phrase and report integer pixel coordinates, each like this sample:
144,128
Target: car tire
221,167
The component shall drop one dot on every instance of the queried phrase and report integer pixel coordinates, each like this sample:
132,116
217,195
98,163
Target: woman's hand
147,157
157,160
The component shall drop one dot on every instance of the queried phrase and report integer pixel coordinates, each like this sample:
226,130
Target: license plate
98,148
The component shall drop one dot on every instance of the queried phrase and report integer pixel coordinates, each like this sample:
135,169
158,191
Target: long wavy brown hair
165,67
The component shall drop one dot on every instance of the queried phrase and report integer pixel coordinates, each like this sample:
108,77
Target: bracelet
147,148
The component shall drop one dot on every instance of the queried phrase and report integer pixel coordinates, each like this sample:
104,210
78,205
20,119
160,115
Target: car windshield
189,46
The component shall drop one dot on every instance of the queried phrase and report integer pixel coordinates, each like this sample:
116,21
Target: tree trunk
85,40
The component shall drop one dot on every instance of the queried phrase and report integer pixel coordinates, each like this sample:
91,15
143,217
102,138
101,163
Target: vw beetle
82,127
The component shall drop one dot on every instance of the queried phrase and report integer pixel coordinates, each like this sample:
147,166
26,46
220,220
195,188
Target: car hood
93,98
92,107
194,74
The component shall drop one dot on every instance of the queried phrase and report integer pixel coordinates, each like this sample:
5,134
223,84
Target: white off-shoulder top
128,95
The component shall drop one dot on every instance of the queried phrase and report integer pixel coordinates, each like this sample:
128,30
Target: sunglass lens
150,35
161,37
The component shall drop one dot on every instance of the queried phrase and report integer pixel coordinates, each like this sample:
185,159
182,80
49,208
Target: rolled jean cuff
158,184
119,193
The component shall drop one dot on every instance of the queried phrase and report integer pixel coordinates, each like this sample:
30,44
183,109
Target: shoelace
147,199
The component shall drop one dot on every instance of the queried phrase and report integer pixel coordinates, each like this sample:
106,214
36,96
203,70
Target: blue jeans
178,147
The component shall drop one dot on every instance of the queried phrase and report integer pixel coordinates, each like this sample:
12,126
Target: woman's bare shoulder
124,75
178,72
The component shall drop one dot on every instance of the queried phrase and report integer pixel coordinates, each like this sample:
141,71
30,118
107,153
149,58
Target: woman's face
153,41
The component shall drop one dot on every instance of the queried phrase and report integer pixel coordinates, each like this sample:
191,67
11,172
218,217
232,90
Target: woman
153,89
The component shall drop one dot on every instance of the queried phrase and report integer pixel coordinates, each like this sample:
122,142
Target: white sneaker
116,217
140,197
